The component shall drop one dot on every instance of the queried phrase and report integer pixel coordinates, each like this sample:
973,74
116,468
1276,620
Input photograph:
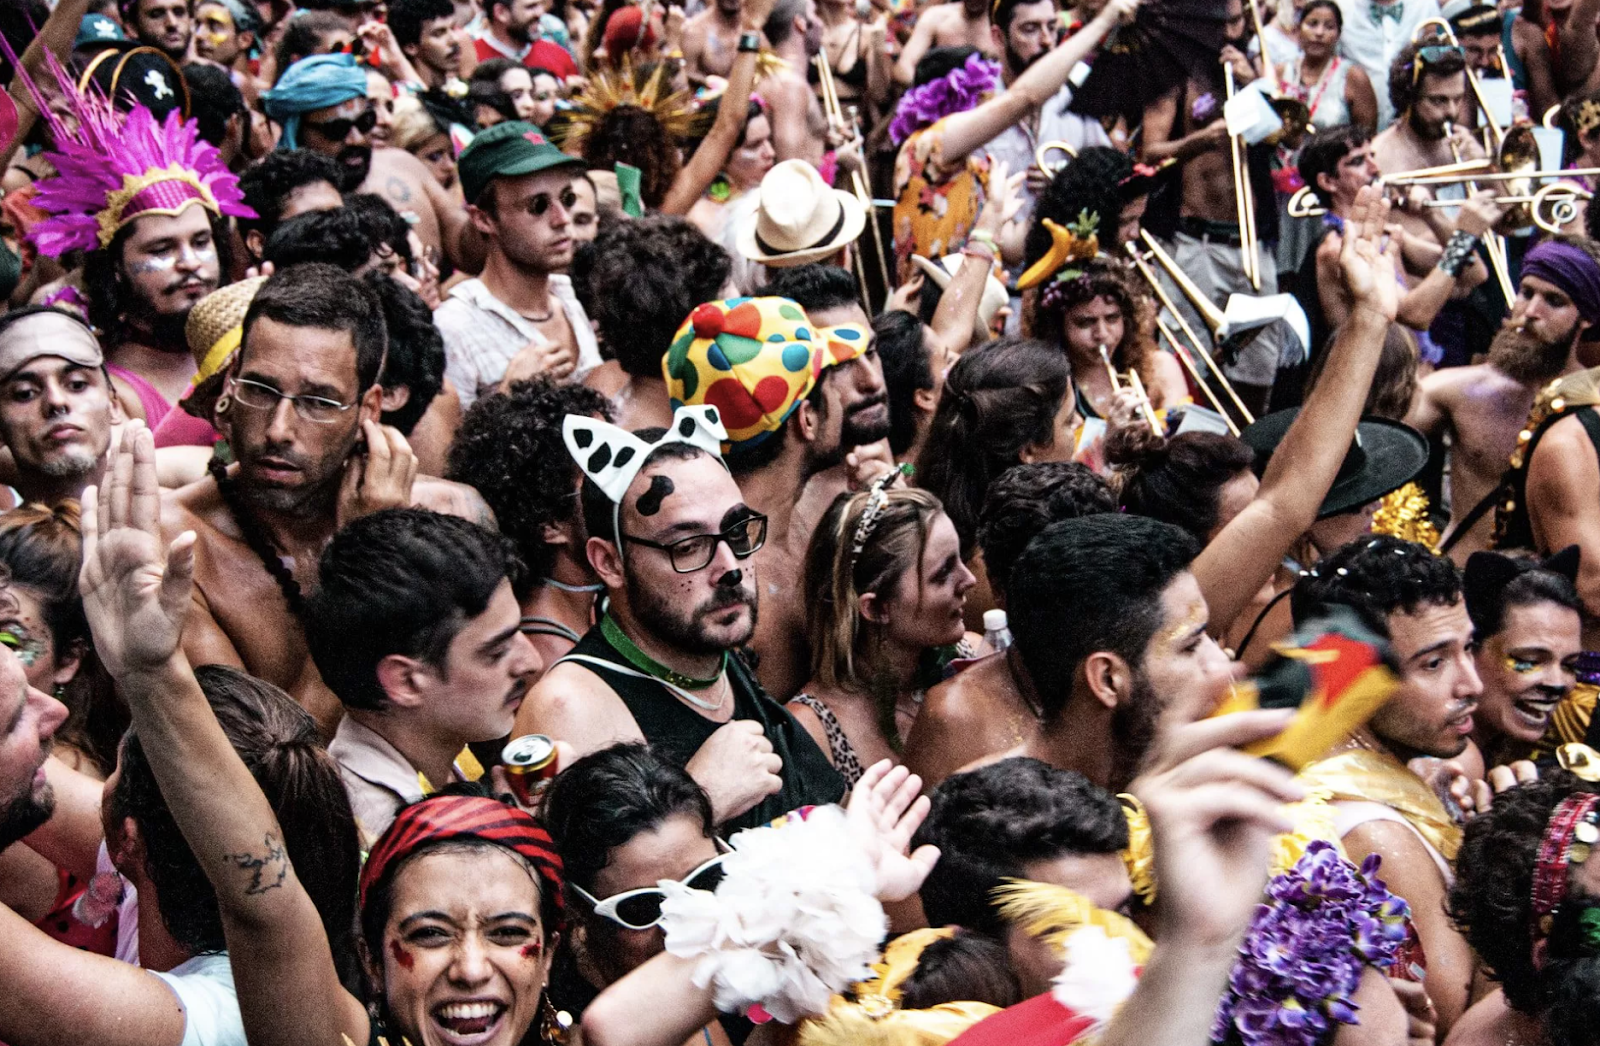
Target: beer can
530,760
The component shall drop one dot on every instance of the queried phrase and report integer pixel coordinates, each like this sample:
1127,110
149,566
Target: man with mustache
141,287
414,627
676,555
299,409
1026,31
1484,407
322,104
426,32
1413,597
57,405
786,461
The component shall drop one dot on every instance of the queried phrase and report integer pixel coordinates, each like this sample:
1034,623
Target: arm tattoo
268,870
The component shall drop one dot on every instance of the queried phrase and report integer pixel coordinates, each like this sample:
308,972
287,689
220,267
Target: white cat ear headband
611,457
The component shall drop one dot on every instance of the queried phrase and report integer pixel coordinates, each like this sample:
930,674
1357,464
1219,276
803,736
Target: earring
59,692
553,1023
223,402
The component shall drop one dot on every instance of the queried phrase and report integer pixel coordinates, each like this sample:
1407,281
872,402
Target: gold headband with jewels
1587,117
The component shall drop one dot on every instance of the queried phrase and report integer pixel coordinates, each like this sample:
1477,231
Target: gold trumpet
1294,113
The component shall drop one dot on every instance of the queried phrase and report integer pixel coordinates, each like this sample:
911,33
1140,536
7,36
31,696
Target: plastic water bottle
996,630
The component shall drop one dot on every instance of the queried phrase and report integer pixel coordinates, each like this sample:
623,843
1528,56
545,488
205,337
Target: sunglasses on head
641,909
541,203
1432,54
339,130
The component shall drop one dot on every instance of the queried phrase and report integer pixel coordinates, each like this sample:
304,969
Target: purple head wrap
1572,270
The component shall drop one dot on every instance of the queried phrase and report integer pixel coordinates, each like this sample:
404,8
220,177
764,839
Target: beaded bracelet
1458,251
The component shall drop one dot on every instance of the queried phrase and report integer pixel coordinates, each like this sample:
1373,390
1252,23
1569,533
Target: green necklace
649,665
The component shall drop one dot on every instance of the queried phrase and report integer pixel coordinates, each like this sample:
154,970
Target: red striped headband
1568,835
465,818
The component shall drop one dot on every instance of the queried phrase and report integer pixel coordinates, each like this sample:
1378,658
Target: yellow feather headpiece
875,1017
644,88
1053,913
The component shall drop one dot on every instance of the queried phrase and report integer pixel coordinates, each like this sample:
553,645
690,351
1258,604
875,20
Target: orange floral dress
936,204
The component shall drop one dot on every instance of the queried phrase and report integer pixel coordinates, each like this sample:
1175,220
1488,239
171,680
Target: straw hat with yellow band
754,359
214,330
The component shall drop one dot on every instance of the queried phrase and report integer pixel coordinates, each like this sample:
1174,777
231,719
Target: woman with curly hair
1098,305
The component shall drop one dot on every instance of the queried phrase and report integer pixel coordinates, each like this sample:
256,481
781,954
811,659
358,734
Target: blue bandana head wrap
310,84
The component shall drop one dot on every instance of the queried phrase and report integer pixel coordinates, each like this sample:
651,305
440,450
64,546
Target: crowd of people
898,523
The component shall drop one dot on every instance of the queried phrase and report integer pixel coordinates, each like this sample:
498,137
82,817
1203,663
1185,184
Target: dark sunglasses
339,130
541,203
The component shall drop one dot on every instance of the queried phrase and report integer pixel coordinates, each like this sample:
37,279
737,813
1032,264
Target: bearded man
1483,407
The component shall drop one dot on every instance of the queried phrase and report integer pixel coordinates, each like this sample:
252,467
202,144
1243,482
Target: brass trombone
1294,113
1243,197
1210,315
1550,207
858,184
1057,146
1449,35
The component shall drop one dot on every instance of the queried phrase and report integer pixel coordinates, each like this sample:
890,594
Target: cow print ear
701,427
607,465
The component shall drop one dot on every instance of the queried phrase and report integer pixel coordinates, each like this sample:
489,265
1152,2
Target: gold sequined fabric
1403,514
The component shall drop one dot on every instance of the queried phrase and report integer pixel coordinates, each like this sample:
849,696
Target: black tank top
677,731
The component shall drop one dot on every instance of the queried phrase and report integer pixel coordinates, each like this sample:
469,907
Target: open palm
1368,262
135,587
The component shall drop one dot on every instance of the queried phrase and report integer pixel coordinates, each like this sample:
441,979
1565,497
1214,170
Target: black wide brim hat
1385,456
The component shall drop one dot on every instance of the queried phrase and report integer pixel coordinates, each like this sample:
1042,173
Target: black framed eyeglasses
541,203
339,130
696,551
317,409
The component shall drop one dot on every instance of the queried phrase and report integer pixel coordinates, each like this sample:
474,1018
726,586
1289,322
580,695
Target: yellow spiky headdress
644,87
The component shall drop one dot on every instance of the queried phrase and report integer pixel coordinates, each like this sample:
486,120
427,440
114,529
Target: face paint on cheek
402,957
153,263
533,950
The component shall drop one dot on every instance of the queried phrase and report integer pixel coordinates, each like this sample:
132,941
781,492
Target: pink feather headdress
116,167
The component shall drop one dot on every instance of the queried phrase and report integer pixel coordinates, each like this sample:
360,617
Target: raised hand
379,479
1369,258
886,809
135,586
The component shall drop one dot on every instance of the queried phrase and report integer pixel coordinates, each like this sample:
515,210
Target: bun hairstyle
1177,479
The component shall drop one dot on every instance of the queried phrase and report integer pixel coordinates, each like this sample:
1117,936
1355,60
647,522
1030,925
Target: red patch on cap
707,320
535,137
745,321
771,392
738,409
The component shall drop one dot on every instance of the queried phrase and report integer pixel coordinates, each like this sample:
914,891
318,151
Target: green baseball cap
507,149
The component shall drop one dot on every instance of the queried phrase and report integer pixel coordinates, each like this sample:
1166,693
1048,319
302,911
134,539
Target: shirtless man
990,706
1562,478
959,23
343,131
795,32
1483,407
1428,88
709,41
302,396
1187,125
1413,597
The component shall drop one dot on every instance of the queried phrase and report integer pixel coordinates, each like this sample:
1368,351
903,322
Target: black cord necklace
257,538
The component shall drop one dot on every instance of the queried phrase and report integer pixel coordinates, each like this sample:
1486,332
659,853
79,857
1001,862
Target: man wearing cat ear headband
673,541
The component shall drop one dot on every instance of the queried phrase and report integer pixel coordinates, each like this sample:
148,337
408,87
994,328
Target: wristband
985,238
1458,251
749,42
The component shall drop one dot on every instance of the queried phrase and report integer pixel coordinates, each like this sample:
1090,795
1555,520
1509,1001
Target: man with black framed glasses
674,542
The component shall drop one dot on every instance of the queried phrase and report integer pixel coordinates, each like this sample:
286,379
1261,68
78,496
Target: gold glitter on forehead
1194,617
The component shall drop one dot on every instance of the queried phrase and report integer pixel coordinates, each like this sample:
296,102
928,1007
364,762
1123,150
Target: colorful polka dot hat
754,359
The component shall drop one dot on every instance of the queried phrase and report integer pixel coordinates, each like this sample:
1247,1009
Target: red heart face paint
401,956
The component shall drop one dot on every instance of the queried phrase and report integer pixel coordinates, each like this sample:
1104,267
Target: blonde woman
885,592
